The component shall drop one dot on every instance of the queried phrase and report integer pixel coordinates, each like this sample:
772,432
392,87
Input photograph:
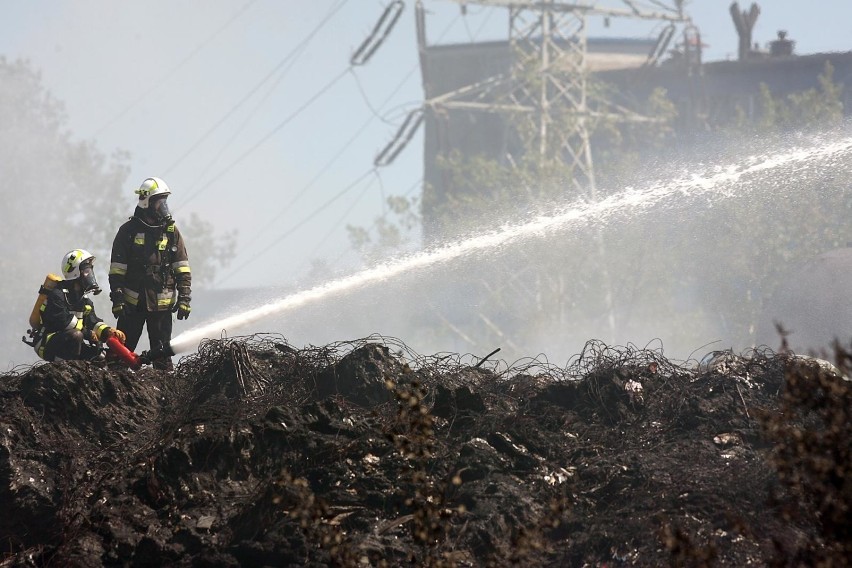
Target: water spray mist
633,200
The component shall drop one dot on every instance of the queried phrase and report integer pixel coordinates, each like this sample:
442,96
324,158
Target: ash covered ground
255,453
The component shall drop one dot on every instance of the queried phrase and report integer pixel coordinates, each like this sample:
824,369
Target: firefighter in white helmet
70,328
149,274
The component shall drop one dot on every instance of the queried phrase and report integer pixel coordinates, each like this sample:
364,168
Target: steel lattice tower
549,72
543,92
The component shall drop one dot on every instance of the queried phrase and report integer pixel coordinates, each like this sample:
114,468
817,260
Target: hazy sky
251,111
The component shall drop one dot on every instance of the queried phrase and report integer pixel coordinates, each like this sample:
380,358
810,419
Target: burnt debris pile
256,453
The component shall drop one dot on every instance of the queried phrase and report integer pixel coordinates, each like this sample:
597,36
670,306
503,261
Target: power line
339,222
376,44
370,229
217,157
485,21
420,180
334,158
317,95
375,114
366,99
335,226
313,180
298,225
290,58
384,215
270,134
337,196
173,70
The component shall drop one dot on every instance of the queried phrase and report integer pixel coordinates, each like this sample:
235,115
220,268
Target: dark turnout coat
149,263
63,312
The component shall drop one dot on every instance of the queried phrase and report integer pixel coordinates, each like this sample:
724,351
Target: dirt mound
254,453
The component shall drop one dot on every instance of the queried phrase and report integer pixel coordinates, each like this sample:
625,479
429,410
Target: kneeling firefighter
66,326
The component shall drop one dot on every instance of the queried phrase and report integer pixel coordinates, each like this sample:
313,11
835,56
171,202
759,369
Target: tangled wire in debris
257,451
260,366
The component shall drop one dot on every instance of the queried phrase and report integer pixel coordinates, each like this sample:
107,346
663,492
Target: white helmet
77,264
71,263
149,188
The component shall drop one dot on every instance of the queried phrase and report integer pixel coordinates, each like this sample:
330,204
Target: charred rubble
255,453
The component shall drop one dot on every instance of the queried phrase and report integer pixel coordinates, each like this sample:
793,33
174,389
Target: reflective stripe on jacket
62,312
149,264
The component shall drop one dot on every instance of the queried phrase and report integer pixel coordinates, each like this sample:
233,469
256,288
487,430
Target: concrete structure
719,87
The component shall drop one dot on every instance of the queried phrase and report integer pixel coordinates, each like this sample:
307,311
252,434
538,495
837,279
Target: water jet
718,182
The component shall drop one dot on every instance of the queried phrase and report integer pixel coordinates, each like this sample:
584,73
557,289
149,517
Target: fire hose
133,360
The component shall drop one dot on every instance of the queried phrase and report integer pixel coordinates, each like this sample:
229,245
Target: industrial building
703,92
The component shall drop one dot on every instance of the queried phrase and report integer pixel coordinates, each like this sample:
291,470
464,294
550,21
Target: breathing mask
158,209
87,279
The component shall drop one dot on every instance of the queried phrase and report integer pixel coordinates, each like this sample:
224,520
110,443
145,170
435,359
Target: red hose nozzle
129,357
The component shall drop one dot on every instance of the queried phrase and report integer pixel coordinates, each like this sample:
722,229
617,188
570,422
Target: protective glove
117,297
182,308
118,309
118,334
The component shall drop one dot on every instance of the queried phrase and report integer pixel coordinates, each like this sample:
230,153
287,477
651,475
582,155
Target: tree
392,229
62,193
696,270
546,286
208,251
807,216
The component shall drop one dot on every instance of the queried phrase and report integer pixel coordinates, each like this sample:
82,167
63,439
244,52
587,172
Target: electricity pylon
548,74
544,92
